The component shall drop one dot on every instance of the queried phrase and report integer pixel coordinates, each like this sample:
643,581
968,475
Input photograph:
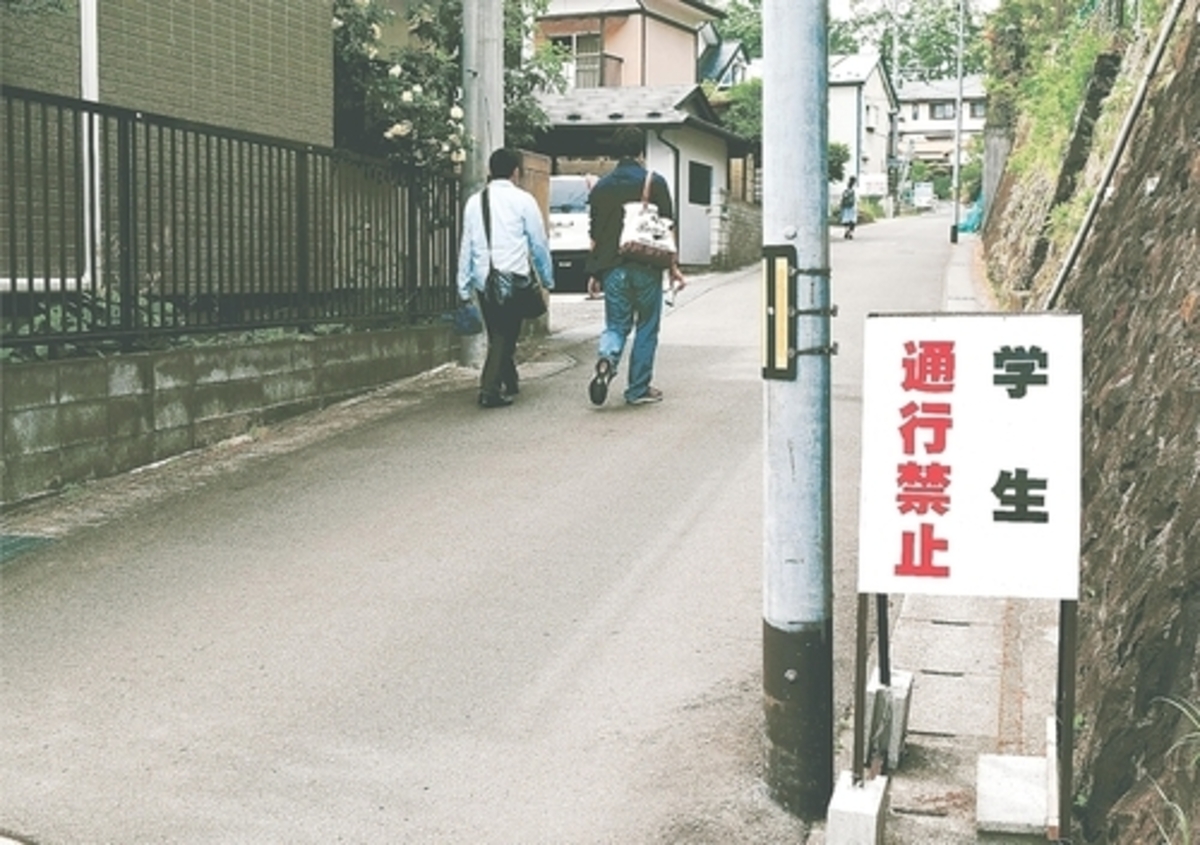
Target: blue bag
467,320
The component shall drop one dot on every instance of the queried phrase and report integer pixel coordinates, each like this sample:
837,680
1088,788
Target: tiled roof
941,89
849,69
641,106
716,59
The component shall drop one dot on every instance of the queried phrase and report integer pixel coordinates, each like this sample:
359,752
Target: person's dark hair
502,163
852,182
629,142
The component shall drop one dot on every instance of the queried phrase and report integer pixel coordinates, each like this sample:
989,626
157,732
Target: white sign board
971,455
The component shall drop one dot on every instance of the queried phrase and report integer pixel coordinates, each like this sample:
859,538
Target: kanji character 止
919,562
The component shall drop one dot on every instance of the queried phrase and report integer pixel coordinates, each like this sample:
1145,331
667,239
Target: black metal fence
122,227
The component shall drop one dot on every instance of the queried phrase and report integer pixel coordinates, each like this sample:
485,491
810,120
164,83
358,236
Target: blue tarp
974,218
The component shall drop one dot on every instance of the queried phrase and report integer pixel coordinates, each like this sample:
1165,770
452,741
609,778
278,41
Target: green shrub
1050,97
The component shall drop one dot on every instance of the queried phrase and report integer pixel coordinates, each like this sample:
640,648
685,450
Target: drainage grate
12,545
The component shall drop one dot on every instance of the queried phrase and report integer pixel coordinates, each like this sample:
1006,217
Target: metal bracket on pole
779,303
832,349
780,275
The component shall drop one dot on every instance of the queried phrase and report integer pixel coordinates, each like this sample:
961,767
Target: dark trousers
503,329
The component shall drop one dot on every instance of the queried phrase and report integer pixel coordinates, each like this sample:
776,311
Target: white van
570,242
923,196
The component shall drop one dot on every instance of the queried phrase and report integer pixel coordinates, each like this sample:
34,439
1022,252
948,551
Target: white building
862,107
927,121
862,112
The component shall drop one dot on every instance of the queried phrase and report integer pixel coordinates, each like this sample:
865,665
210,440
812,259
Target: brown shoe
652,395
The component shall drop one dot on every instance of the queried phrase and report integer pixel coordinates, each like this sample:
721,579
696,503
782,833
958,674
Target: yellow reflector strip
783,309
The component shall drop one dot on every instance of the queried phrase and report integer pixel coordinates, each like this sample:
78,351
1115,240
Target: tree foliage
838,158
405,103
742,107
527,73
925,34
744,112
743,22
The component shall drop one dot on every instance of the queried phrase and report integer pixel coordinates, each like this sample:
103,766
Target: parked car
923,195
569,238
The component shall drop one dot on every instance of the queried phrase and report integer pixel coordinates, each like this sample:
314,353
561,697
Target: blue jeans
632,292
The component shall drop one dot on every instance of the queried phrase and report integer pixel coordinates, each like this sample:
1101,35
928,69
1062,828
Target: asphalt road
406,619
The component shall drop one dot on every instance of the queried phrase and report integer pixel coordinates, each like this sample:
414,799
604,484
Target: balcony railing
117,227
598,70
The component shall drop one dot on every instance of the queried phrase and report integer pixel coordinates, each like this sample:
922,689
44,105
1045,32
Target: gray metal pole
483,113
797,535
955,189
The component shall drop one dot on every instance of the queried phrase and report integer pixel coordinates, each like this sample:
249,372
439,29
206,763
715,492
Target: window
916,111
979,109
700,177
941,111
584,60
581,43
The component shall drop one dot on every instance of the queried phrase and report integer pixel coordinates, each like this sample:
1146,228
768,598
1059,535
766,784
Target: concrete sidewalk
984,680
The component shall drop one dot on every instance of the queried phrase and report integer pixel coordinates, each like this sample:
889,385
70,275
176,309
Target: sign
971,455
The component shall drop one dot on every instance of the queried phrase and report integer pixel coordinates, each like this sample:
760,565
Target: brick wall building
264,67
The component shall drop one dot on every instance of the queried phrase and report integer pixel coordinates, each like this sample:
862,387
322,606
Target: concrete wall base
888,707
71,420
856,813
1010,794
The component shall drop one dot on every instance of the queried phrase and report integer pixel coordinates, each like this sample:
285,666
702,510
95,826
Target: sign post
971,461
971,469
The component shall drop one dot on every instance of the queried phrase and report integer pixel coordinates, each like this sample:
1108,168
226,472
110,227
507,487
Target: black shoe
598,387
493,400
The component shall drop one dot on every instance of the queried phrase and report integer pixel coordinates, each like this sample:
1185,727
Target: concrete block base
856,813
890,706
1010,794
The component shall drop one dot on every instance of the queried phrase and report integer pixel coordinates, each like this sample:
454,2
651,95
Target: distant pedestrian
849,206
494,260
633,291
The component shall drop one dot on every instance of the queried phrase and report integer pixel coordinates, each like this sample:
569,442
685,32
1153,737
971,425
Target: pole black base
954,233
798,702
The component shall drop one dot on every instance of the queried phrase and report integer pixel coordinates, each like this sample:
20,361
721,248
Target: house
628,42
684,143
637,62
244,66
722,62
862,109
927,122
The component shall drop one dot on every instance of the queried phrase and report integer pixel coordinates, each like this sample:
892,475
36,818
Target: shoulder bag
525,298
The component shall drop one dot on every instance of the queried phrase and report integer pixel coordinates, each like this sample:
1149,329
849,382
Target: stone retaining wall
68,421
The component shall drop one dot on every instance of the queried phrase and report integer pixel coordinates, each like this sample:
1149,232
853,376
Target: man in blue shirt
494,266
632,290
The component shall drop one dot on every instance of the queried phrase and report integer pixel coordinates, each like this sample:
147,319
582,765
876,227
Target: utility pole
797,531
955,188
483,112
